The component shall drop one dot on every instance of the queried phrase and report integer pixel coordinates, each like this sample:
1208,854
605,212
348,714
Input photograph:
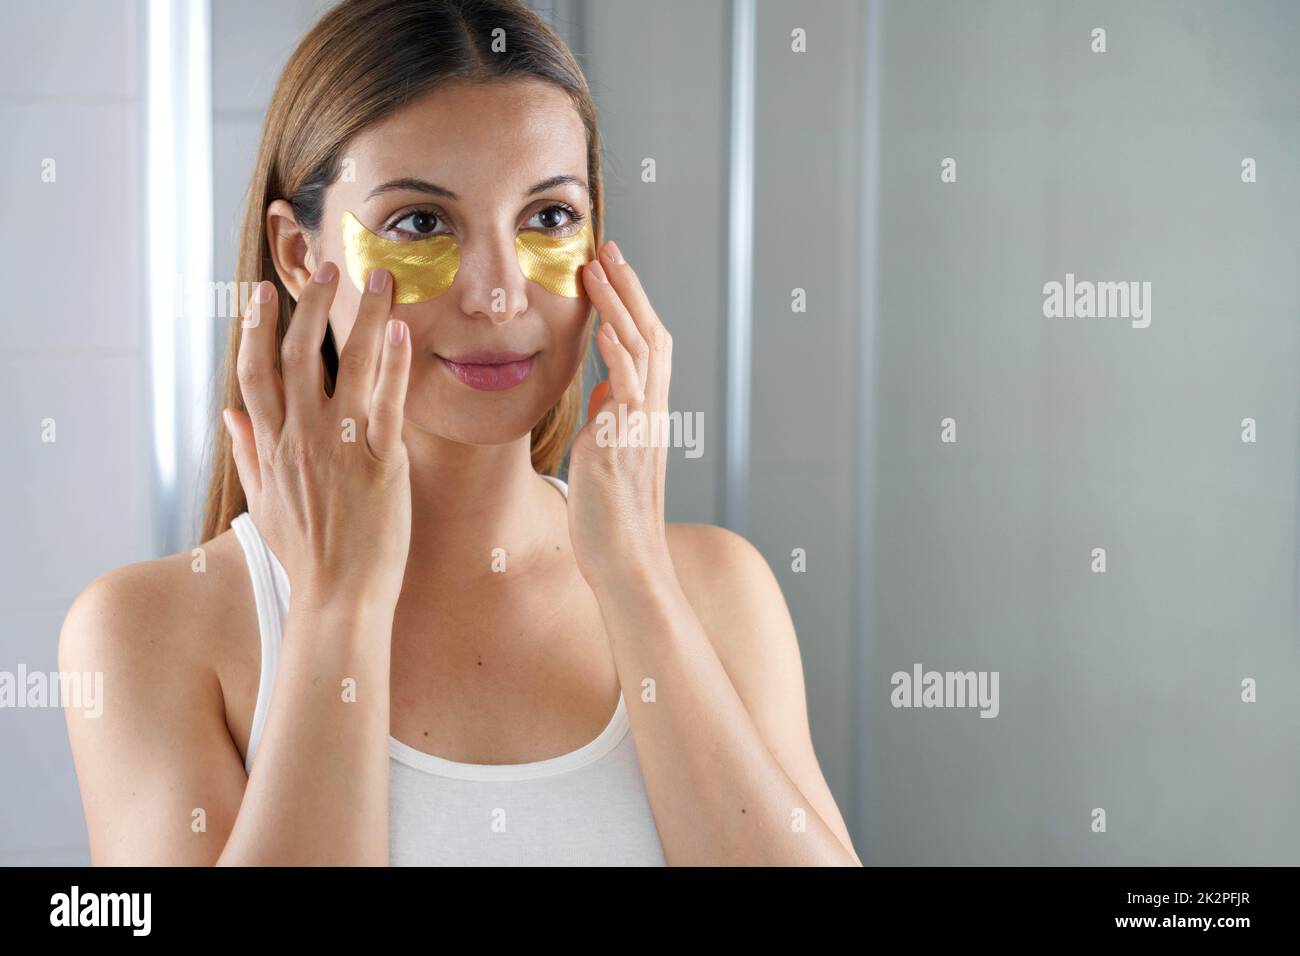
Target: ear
290,250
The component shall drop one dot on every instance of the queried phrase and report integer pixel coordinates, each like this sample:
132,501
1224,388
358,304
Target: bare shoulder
154,636
699,544
727,578
157,613
734,592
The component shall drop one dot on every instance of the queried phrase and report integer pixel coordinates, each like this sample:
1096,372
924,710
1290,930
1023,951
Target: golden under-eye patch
424,269
554,263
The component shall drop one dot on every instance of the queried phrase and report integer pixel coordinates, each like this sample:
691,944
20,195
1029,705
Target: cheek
571,331
573,321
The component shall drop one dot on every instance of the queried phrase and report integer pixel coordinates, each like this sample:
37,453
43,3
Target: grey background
1120,690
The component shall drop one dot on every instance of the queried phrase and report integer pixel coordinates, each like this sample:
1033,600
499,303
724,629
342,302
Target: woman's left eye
557,218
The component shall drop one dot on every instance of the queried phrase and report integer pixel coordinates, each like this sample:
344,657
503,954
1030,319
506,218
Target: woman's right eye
417,225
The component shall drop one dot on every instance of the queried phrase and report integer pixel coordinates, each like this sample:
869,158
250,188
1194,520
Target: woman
439,689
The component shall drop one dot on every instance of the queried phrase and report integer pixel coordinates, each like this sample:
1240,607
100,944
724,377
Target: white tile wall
73,51
41,822
72,272
72,348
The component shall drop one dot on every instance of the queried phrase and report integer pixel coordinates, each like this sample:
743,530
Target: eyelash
575,222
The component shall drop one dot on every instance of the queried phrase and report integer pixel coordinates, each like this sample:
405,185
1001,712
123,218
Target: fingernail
378,280
396,331
612,255
607,330
597,271
225,418
263,295
326,273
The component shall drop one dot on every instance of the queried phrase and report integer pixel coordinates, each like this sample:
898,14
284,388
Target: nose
491,284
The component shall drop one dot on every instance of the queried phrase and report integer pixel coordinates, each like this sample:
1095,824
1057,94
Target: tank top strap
558,483
271,594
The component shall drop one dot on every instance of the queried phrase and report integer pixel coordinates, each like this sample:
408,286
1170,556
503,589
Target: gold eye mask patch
554,263
424,269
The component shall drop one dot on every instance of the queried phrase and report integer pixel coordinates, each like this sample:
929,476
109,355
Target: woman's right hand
327,477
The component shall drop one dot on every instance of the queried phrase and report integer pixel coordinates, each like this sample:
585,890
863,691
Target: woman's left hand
616,472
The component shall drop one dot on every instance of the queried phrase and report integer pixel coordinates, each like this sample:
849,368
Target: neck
467,500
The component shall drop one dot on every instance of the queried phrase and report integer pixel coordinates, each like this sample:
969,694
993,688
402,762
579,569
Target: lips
490,371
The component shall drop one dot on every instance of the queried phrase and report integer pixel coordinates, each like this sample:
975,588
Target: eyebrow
410,184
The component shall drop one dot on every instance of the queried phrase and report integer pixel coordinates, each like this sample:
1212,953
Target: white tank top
584,808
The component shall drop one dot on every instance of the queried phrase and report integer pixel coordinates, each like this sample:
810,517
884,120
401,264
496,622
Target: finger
300,359
660,373
359,359
388,404
244,451
624,382
628,285
611,308
259,382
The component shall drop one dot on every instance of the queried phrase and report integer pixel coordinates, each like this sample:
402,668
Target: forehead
471,137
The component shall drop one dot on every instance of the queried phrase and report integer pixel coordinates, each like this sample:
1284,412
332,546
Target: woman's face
482,163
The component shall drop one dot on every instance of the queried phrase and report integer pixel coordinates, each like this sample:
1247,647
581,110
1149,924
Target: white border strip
161,242
179,265
194,212
740,269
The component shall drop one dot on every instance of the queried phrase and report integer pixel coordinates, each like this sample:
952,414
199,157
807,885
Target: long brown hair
361,62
